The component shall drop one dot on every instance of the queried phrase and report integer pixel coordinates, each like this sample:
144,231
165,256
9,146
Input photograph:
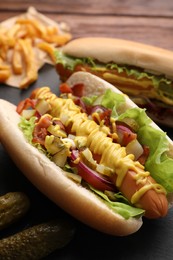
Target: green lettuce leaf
123,209
109,99
138,114
27,127
157,80
69,62
159,164
112,100
90,100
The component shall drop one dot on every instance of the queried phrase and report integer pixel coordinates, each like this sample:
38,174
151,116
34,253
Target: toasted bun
52,181
120,51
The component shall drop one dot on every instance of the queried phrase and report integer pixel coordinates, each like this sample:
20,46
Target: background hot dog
143,72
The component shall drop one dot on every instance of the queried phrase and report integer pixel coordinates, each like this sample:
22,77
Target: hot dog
89,134
143,72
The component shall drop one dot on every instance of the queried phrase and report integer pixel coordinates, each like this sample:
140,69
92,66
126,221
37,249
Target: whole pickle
13,206
37,241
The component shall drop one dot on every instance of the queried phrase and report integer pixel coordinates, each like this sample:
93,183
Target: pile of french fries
20,45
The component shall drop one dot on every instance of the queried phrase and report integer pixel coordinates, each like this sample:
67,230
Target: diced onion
42,107
28,113
135,148
64,118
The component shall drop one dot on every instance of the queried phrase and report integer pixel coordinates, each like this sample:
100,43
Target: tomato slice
64,88
78,90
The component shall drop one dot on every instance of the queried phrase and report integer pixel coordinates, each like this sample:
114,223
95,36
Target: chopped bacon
24,104
76,90
106,116
40,129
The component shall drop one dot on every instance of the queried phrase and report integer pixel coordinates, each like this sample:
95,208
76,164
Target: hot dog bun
120,51
52,181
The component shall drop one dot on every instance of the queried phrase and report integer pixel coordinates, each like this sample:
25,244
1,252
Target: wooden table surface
149,21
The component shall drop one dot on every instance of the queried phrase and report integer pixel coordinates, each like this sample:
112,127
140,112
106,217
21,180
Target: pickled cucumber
13,206
37,241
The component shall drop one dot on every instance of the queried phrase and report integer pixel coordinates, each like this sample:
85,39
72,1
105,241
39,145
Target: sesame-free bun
151,58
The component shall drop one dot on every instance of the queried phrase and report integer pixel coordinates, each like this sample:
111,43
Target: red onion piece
92,177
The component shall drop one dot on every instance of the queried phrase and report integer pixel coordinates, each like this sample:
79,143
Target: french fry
44,46
4,75
3,66
4,71
11,33
3,51
6,40
30,61
40,29
59,40
51,30
31,31
17,64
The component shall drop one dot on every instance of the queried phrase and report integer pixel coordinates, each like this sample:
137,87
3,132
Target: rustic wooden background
149,21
